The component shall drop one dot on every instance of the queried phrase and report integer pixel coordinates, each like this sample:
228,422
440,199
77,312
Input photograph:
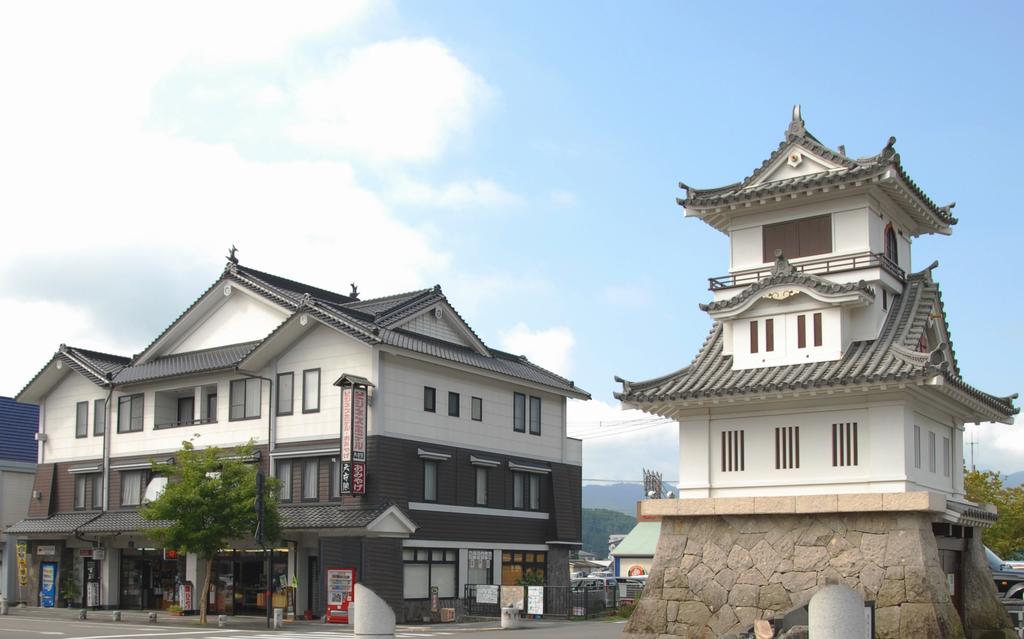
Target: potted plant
69,591
175,610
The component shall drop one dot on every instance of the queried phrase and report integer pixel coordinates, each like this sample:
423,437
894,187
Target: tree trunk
204,598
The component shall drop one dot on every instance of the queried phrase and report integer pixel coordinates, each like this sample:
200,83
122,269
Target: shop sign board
487,594
353,440
512,596
535,600
22,552
99,554
48,584
46,551
341,591
185,596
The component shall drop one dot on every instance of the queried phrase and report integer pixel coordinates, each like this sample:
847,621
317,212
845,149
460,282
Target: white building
828,382
469,475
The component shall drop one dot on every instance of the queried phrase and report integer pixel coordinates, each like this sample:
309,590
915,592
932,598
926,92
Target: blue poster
48,584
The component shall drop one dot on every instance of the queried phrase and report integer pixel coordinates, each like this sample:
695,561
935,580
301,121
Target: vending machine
341,591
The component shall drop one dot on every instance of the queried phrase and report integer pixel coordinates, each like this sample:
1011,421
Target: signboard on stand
535,600
354,401
341,591
22,551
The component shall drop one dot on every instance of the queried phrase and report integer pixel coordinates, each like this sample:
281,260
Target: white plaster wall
402,383
58,411
850,231
223,433
747,248
881,459
927,418
785,331
333,353
241,317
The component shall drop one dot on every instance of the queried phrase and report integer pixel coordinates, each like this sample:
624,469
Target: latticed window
787,447
844,444
732,451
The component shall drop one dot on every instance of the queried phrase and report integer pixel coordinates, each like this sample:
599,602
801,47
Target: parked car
1009,582
605,585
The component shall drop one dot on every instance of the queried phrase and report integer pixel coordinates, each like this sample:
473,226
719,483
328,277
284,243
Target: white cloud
475,194
549,348
401,100
997,447
619,444
563,198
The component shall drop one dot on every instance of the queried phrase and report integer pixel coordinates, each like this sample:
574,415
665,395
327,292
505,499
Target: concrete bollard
836,612
351,614
152,617
278,618
115,616
3,605
222,620
374,618
83,614
509,617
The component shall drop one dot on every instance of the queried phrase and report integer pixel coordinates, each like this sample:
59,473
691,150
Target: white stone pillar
836,612
197,404
695,452
195,571
374,618
110,578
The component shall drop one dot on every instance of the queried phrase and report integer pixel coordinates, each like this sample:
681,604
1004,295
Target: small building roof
641,541
891,357
884,169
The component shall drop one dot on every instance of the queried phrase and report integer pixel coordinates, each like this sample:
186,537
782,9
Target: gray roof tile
121,520
186,363
890,357
318,516
61,523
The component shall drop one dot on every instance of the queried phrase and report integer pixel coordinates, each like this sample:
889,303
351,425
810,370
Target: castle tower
821,423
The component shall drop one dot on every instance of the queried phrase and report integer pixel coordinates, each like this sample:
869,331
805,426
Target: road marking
155,634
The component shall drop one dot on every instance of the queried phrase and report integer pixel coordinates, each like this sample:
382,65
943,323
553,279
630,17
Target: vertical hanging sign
353,436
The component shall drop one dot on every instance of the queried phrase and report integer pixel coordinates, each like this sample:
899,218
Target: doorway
313,586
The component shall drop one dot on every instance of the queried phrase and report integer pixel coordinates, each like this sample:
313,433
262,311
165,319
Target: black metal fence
562,602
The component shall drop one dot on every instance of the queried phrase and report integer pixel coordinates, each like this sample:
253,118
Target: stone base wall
714,575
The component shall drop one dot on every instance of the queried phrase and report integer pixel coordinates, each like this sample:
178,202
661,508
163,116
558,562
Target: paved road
28,626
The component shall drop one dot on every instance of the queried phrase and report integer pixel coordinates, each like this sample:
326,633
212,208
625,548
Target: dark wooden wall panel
382,564
42,507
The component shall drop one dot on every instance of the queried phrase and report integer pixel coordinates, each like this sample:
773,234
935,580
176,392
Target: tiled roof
18,425
300,517
121,521
102,362
210,359
851,170
783,273
61,523
890,357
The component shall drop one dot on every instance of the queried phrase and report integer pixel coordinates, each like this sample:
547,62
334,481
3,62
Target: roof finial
796,126
231,254
355,291
796,114
782,265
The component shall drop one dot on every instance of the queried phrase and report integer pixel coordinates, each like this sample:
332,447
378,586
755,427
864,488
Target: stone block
872,547
887,622
752,576
722,621
727,578
714,557
919,620
871,576
891,593
734,505
693,613
739,559
906,547
699,577
713,595
924,501
860,502
810,558
766,559
692,507
848,562
773,597
816,504
774,505
797,581
743,595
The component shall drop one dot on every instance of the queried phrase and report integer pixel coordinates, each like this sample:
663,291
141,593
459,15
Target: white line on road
154,634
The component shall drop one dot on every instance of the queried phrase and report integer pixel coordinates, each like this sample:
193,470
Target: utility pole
972,444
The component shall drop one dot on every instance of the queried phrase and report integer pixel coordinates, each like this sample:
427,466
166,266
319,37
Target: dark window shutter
798,238
753,337
769,335
817,329
801,331
782,236
815,235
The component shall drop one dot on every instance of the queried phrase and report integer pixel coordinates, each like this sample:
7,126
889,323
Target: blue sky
524,155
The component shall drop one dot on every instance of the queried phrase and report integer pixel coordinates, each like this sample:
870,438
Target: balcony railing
817,267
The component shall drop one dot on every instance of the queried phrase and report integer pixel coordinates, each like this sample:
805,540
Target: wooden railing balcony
823,266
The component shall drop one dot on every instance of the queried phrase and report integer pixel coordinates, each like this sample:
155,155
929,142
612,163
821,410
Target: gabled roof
99,368
640,542
884,169
892,357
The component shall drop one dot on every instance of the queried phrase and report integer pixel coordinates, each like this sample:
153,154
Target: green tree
210,500
598,523
1006,536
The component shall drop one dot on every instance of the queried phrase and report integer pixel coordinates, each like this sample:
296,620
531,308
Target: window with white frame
477,409
81,486
285,393
479,566
425,568
429,480
311,479
526,491
519,412
96,483
534,415
284,475
129,413
99,416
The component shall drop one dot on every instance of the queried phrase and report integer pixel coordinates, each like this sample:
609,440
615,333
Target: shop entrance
239,582
150,578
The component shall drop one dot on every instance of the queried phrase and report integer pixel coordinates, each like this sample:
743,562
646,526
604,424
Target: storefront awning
385,519
61,523
121,521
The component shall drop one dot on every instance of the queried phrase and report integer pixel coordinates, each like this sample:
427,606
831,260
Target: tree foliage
598,523
1006,536
210,502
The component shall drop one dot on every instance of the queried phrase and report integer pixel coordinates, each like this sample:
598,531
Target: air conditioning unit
37,495
40,437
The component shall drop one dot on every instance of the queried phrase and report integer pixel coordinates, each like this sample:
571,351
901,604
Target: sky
524,155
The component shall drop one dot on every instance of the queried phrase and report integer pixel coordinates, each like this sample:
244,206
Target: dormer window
797,238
